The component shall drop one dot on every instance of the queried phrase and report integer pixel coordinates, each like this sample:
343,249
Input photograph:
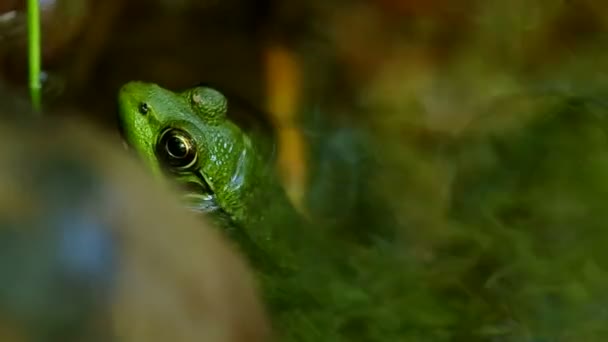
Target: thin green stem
33,26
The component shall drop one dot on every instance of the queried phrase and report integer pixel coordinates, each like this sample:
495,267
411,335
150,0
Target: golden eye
177,149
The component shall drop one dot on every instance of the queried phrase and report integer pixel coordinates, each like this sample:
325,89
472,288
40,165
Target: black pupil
176,146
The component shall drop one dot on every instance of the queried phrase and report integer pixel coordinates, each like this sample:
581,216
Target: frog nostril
143,108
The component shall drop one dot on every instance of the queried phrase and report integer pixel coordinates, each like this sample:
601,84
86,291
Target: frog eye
177,149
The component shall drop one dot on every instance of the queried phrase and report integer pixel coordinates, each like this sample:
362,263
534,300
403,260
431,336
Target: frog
224,171
314,287
188,135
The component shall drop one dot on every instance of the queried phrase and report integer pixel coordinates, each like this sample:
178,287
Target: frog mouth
199,196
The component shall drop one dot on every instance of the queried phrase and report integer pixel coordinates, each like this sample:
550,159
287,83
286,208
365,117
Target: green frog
189,136
226,172
316,287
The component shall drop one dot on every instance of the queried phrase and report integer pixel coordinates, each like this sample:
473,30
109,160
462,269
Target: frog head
188,136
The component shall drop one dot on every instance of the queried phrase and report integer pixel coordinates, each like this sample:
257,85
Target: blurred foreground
94,250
